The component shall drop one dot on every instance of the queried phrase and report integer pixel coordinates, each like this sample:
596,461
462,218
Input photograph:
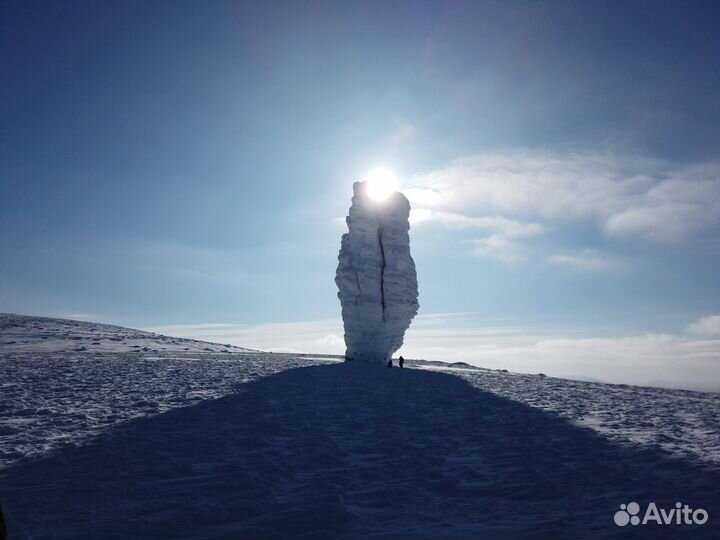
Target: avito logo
680,515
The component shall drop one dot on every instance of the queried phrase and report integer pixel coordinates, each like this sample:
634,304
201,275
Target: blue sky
186,164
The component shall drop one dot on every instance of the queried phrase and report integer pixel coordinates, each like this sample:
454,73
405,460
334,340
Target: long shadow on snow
348,451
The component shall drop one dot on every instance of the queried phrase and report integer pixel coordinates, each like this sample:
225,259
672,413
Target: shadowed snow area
682,422
51,400
108,432
348,451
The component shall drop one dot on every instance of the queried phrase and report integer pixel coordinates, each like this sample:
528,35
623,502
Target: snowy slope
21,333
202,445
62,381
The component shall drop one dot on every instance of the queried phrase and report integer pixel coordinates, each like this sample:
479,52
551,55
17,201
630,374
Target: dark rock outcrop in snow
376,276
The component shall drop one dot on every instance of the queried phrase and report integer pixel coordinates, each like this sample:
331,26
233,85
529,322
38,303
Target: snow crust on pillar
376,277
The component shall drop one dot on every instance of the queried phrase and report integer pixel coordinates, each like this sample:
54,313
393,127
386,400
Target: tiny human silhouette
3,530
401,361
389,364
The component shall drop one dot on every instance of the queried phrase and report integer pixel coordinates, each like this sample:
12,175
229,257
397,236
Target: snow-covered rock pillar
376,276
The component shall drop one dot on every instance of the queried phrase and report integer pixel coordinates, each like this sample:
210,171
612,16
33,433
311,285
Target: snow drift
376,276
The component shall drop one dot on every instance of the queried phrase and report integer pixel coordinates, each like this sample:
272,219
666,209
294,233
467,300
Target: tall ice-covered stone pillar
376,278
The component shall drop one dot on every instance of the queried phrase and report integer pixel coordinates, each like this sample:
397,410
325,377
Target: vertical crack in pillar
382,272
369,338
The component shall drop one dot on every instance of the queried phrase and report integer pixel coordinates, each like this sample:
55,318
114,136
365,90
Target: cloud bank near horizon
688,359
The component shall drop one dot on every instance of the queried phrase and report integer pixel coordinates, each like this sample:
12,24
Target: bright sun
381,183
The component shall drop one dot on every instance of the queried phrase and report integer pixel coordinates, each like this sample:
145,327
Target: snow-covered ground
124,434
682,422
23,334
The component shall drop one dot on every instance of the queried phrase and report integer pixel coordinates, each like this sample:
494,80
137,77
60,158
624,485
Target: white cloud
332,342
502,224
505,242
423,197
673,360
499,246
586,259
313,336
80,316
624,195
709,326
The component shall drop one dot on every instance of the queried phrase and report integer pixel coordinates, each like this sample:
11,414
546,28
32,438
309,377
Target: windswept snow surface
253,445
681,422
24,334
